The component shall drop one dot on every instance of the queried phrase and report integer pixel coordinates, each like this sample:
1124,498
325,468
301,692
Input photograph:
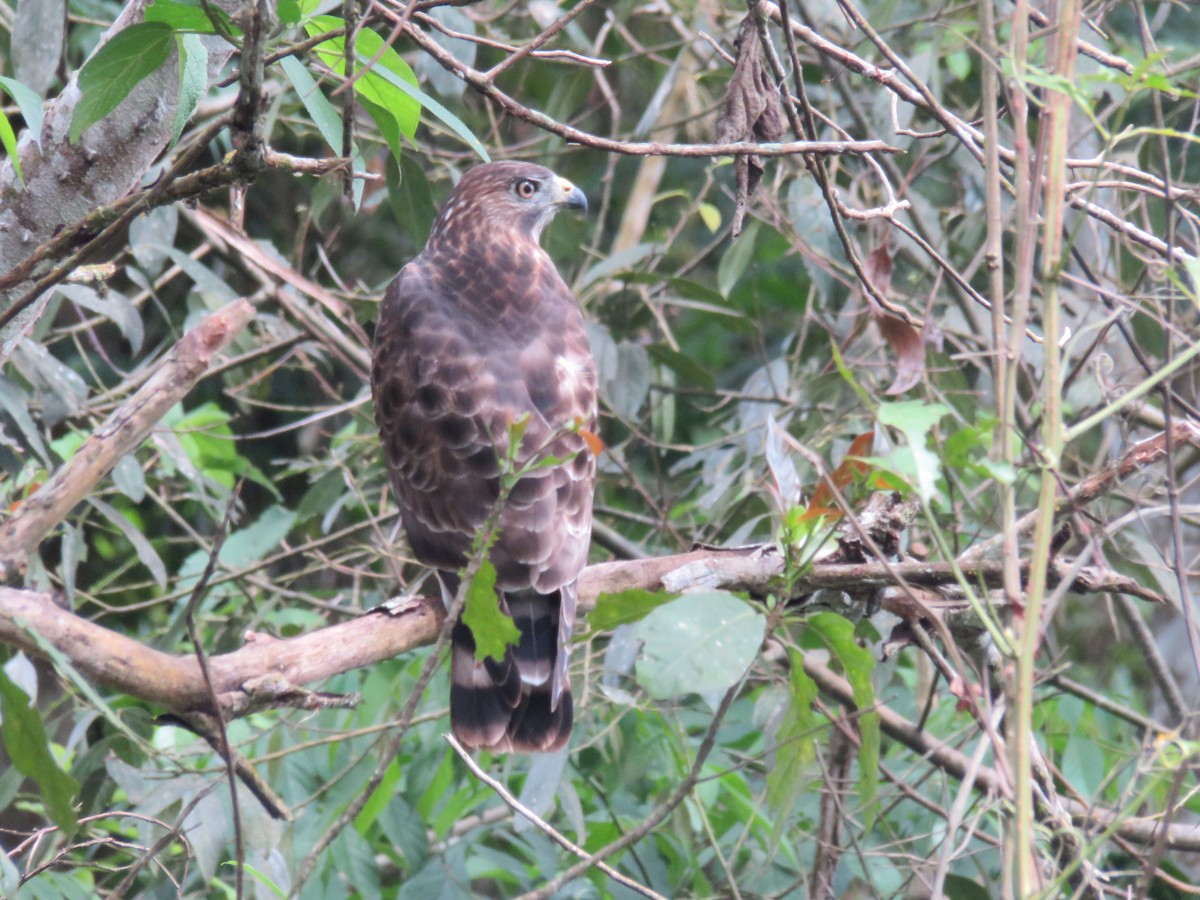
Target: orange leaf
593,441
850,466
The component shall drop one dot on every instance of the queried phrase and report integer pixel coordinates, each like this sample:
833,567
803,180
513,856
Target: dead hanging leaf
751,112
903,339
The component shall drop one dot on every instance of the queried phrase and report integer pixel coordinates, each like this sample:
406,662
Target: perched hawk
476,333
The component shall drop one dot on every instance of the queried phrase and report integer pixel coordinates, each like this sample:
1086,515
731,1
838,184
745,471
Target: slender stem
1052,155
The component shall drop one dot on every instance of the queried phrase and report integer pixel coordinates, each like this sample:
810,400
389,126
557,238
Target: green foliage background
701,341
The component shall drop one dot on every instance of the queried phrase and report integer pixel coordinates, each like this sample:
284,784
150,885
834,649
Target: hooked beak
572,197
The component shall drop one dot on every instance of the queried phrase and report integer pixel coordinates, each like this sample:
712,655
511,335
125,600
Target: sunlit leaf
915,419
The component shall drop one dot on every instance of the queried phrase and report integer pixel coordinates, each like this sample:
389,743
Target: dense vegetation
938,370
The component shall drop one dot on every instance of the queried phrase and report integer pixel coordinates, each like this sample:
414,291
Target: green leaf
28,102
368,46
146,553
192,17
491,627
27,746
252,543
710,216
915,419
116,69
379,800
451,121
692,374
794,741
858,664
324,116
9,139
628,606
736,259
193,80
700,643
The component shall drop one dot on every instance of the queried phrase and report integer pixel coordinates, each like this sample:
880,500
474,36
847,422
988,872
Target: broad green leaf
736,260
252,543
701,643
28,102
710,216
289,12
28,748
628,606
492,629
8,139
193,80
857,663
794,741
915,419
403,109
192,17
116,69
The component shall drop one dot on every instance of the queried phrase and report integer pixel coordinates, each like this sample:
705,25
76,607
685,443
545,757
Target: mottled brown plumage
475,333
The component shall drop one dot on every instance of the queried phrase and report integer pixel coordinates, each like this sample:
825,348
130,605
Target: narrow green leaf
324,116
193,80
116,69
492,629
451,121
9,139
794,741
736,260
379,800
628,606
27,746
145,551
857,663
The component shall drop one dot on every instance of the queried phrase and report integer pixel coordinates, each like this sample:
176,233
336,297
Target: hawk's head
516,199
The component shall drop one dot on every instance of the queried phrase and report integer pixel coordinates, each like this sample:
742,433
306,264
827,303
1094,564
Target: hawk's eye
526,188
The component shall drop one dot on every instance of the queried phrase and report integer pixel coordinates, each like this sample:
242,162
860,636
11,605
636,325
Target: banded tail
523,703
